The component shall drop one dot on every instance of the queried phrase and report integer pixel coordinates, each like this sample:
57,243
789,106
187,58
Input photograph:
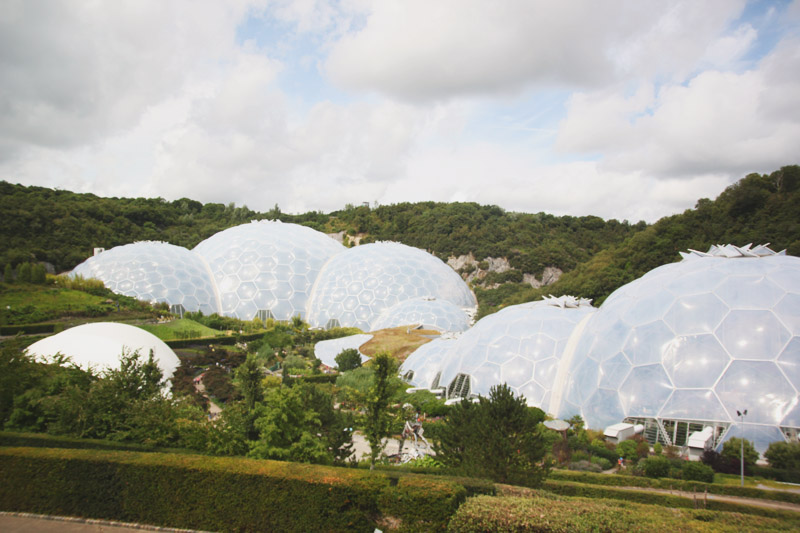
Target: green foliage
8,273
348,359
24,273
377,420
496,438
627,450
560,515
697,471
658,448
657,466
732,448
184,491
784,455
38,274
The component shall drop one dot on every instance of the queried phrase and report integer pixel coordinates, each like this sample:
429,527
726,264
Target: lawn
182,328
400,342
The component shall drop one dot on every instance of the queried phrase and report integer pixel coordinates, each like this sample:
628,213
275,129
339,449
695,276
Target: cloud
717,122
417,50
74,72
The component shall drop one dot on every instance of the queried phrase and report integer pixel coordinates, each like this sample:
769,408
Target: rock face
470,269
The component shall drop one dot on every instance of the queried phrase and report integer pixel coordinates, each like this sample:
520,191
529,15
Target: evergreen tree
8,274
376,425
38,274
24,273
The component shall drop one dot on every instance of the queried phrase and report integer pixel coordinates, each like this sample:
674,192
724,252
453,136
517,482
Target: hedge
29,329
542,514
778,474
566,488
220,494
43,440
673,484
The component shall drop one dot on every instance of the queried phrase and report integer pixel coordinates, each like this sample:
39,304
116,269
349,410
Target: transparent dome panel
266,261
695,361
759,387
693,405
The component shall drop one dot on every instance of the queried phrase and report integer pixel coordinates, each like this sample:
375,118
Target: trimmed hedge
542,514
566,488
30,329
673,484
318,378
777,474
220,494
43,440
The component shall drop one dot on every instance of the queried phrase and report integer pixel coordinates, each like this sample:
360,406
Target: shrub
585,466
658,448
697,471
627,450
732,449
348,359
602,462
784,455
184,491
656,466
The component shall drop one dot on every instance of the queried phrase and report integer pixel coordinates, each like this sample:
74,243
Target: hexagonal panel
789,362
752,335
695,314
695,361
694,404
749,292
788,311
647,344
759,387
645,390
517,371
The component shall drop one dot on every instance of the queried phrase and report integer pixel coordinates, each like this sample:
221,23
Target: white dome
695,340
154,271
266,266
438,314
423,366
520,345
356,286
100,344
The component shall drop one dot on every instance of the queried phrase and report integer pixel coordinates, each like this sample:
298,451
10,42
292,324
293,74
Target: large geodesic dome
99,346
154,272
691,343
267,267
422,367
520,346
427,312
358,285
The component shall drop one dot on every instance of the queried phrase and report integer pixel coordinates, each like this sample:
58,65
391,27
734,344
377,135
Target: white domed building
99,345
442,315
423,367
357,286
690,344
520,346
266,268
154,272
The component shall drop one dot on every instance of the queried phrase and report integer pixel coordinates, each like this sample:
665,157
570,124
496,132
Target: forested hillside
597,256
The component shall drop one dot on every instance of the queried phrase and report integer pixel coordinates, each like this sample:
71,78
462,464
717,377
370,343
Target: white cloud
419,50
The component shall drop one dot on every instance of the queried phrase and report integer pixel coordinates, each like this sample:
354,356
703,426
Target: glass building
358,285
426,312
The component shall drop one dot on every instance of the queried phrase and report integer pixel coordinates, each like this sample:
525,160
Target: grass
399,342
751,481
182,328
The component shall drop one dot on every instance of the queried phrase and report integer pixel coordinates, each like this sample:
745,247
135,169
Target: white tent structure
100,344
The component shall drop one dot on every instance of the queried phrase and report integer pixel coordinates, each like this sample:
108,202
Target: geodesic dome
356,286
520,345
690,343
154,271
423,366
428,312
267,267
99,346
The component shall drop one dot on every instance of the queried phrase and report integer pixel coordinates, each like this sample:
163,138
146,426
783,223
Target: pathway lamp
741,414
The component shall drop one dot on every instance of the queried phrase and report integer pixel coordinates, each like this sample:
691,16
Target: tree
697,471
348,359
731,451
784,455
498,437
627,449
656,466
248,381
377,422
38,274
8,273
24,273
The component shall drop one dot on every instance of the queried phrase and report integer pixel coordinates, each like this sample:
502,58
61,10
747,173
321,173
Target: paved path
31,523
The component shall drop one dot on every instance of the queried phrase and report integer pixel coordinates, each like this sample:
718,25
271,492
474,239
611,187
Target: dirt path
755,502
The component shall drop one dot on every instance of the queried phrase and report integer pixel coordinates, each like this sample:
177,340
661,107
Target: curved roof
423,366
154,271
266,266
521,346
428,312
326,351
99,345
356,286
698,340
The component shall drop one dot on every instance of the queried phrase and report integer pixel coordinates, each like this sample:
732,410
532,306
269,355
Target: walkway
32,523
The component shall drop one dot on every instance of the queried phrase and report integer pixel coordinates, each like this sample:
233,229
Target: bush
627,450
348,359
656,466
184,491
784,455
584,466
697,471
602,462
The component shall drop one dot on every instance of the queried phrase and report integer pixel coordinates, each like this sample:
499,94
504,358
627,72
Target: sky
622,109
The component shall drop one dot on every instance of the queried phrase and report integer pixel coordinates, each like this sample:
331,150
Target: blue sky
627,110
